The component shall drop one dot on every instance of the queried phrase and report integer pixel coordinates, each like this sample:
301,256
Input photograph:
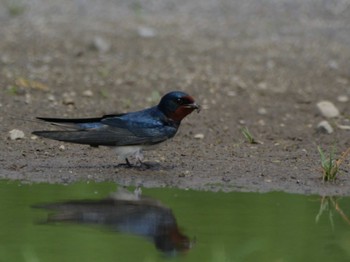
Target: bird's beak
194,106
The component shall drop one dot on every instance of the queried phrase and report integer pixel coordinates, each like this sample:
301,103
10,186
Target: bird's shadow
142,166
151,166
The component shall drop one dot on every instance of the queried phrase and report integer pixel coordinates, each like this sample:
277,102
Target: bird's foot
127,162
138,164
144,165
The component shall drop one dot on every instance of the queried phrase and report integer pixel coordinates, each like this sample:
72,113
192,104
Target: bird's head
176,105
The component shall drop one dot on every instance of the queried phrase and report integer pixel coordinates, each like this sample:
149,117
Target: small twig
343,156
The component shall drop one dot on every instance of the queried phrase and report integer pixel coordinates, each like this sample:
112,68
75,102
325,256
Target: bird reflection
125,212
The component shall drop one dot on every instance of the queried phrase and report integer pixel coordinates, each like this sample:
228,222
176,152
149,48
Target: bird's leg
140,161
127,162
144,164
139,157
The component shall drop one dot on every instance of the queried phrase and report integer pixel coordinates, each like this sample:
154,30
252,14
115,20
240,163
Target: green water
226,227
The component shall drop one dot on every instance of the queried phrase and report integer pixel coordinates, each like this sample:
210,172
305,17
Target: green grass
330,166
137,8
103,72
13,90
248,136
15,8
104,93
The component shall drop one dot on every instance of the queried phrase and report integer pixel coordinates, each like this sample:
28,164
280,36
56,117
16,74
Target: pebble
62,148
146,32
88,93
231,93
262,122
51,98
185,173
344,127
68,98
16,134
239,82
328,109
205,107
342,81
100,44
325,127
343,98
199,136
262,111
333,64
28,98
262,86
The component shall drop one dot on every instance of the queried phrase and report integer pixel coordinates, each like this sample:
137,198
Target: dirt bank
260,64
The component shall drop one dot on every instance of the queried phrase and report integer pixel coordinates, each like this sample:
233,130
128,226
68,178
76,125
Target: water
219,226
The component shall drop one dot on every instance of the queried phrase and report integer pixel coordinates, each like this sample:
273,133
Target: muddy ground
259,64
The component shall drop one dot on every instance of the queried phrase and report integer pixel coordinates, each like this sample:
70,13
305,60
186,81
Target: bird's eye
183,101
179,101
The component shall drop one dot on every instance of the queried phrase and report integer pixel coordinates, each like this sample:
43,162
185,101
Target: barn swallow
128,133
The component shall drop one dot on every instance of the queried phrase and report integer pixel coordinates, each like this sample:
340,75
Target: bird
129,133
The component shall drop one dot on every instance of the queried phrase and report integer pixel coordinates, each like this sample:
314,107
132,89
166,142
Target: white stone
68,98
199,136
333,64
101,44
28,98
328,109
262,86
262,111
343,98
325,127
344,127
262,122
88,93
146,32
51,98
16,134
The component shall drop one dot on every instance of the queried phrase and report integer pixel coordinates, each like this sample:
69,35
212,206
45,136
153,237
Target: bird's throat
180,113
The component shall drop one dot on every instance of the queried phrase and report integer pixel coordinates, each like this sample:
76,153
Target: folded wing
110,130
